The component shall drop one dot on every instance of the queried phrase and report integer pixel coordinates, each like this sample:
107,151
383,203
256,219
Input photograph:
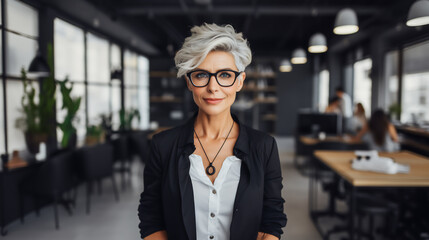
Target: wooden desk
313,141
340,163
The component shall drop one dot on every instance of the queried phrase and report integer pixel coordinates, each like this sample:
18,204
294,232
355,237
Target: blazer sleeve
150,210
273,217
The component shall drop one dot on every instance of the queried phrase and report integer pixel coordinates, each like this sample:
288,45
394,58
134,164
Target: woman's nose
213,85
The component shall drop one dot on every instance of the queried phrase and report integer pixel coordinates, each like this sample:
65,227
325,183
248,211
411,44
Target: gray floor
110,220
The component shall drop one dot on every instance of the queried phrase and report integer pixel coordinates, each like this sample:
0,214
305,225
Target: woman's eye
201,75
225,75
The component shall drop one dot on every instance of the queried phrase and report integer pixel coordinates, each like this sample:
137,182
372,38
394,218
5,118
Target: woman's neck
213,126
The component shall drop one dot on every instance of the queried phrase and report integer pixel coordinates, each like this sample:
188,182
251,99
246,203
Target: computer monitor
309,122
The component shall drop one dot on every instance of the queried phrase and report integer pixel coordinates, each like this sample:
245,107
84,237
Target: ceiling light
346,22
285,66
317,43
299,56
418,14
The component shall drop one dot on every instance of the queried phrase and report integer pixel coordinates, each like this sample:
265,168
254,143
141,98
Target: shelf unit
260,94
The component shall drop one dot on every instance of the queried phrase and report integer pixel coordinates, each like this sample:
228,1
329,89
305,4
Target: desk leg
352,213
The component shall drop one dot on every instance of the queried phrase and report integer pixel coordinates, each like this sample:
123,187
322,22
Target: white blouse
214,202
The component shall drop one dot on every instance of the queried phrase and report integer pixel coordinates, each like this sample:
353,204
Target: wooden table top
312,141
340,162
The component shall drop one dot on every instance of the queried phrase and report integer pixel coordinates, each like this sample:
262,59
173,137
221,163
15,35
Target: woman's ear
241,81
188,84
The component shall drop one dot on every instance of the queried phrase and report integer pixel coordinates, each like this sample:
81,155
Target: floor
111,220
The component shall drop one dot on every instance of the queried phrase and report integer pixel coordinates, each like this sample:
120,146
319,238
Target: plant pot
72,141
91,140
33,141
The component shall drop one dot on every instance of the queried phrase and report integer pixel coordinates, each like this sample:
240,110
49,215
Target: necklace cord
219,148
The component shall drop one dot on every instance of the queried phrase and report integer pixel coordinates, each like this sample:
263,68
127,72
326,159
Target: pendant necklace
210,170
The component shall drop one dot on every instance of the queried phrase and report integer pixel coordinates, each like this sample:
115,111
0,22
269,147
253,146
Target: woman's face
214,99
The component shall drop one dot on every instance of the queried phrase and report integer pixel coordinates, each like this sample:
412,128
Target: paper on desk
370,161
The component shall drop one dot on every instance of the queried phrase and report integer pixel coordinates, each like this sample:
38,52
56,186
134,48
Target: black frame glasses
189,74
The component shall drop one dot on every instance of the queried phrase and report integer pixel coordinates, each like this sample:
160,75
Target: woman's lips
213,100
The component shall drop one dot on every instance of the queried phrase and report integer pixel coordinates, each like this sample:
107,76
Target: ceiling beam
242,10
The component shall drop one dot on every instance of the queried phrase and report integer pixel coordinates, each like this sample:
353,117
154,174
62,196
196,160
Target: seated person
379,133
334,105
359,119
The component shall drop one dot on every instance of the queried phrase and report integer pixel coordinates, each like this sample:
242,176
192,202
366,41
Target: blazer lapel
186,147
187,195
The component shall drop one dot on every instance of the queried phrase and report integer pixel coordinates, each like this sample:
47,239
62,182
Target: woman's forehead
218,60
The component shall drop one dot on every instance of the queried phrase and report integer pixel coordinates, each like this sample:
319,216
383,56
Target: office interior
87,83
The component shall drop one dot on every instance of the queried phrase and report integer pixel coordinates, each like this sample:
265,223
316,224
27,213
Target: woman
359,118
213,177
379,133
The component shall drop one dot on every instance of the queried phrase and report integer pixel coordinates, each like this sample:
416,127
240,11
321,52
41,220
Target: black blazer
167,202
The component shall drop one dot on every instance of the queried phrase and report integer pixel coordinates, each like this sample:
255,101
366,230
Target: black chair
122,156
54,178
140,145
96,163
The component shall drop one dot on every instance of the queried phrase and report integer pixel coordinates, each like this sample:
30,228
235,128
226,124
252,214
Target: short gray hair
211,37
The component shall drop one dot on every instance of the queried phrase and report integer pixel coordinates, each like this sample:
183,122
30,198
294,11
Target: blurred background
86,83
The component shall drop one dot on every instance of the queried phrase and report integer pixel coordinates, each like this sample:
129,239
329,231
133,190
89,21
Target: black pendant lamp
38,66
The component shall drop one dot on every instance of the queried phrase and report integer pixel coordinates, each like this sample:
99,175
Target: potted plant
395,111
94,135
71,105
126,118
30,121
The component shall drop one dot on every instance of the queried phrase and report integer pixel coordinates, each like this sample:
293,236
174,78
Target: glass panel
1,53
130,71
115,57
116,104
20,52
143,93
22,18
362,84
14,93
79,121
132,102
68,51
391,78
323,90
2,146
98,103
415,84
98,59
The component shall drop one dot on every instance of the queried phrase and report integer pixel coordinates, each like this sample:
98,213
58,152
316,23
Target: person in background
359,118
334,106
346,108
379,133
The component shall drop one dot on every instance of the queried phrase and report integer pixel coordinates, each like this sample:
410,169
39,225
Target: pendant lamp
299,56
285,66
38,66
317,43
346,22
418,15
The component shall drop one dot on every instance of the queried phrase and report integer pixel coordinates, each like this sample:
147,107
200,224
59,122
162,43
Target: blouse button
211,237
212,215
214,191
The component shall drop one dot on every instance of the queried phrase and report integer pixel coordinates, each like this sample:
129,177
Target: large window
21,45
69,51
323,90
362,84
136,81
392,80
415,84
98,78
115,90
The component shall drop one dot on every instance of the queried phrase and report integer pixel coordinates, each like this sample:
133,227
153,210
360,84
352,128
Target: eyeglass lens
224,78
